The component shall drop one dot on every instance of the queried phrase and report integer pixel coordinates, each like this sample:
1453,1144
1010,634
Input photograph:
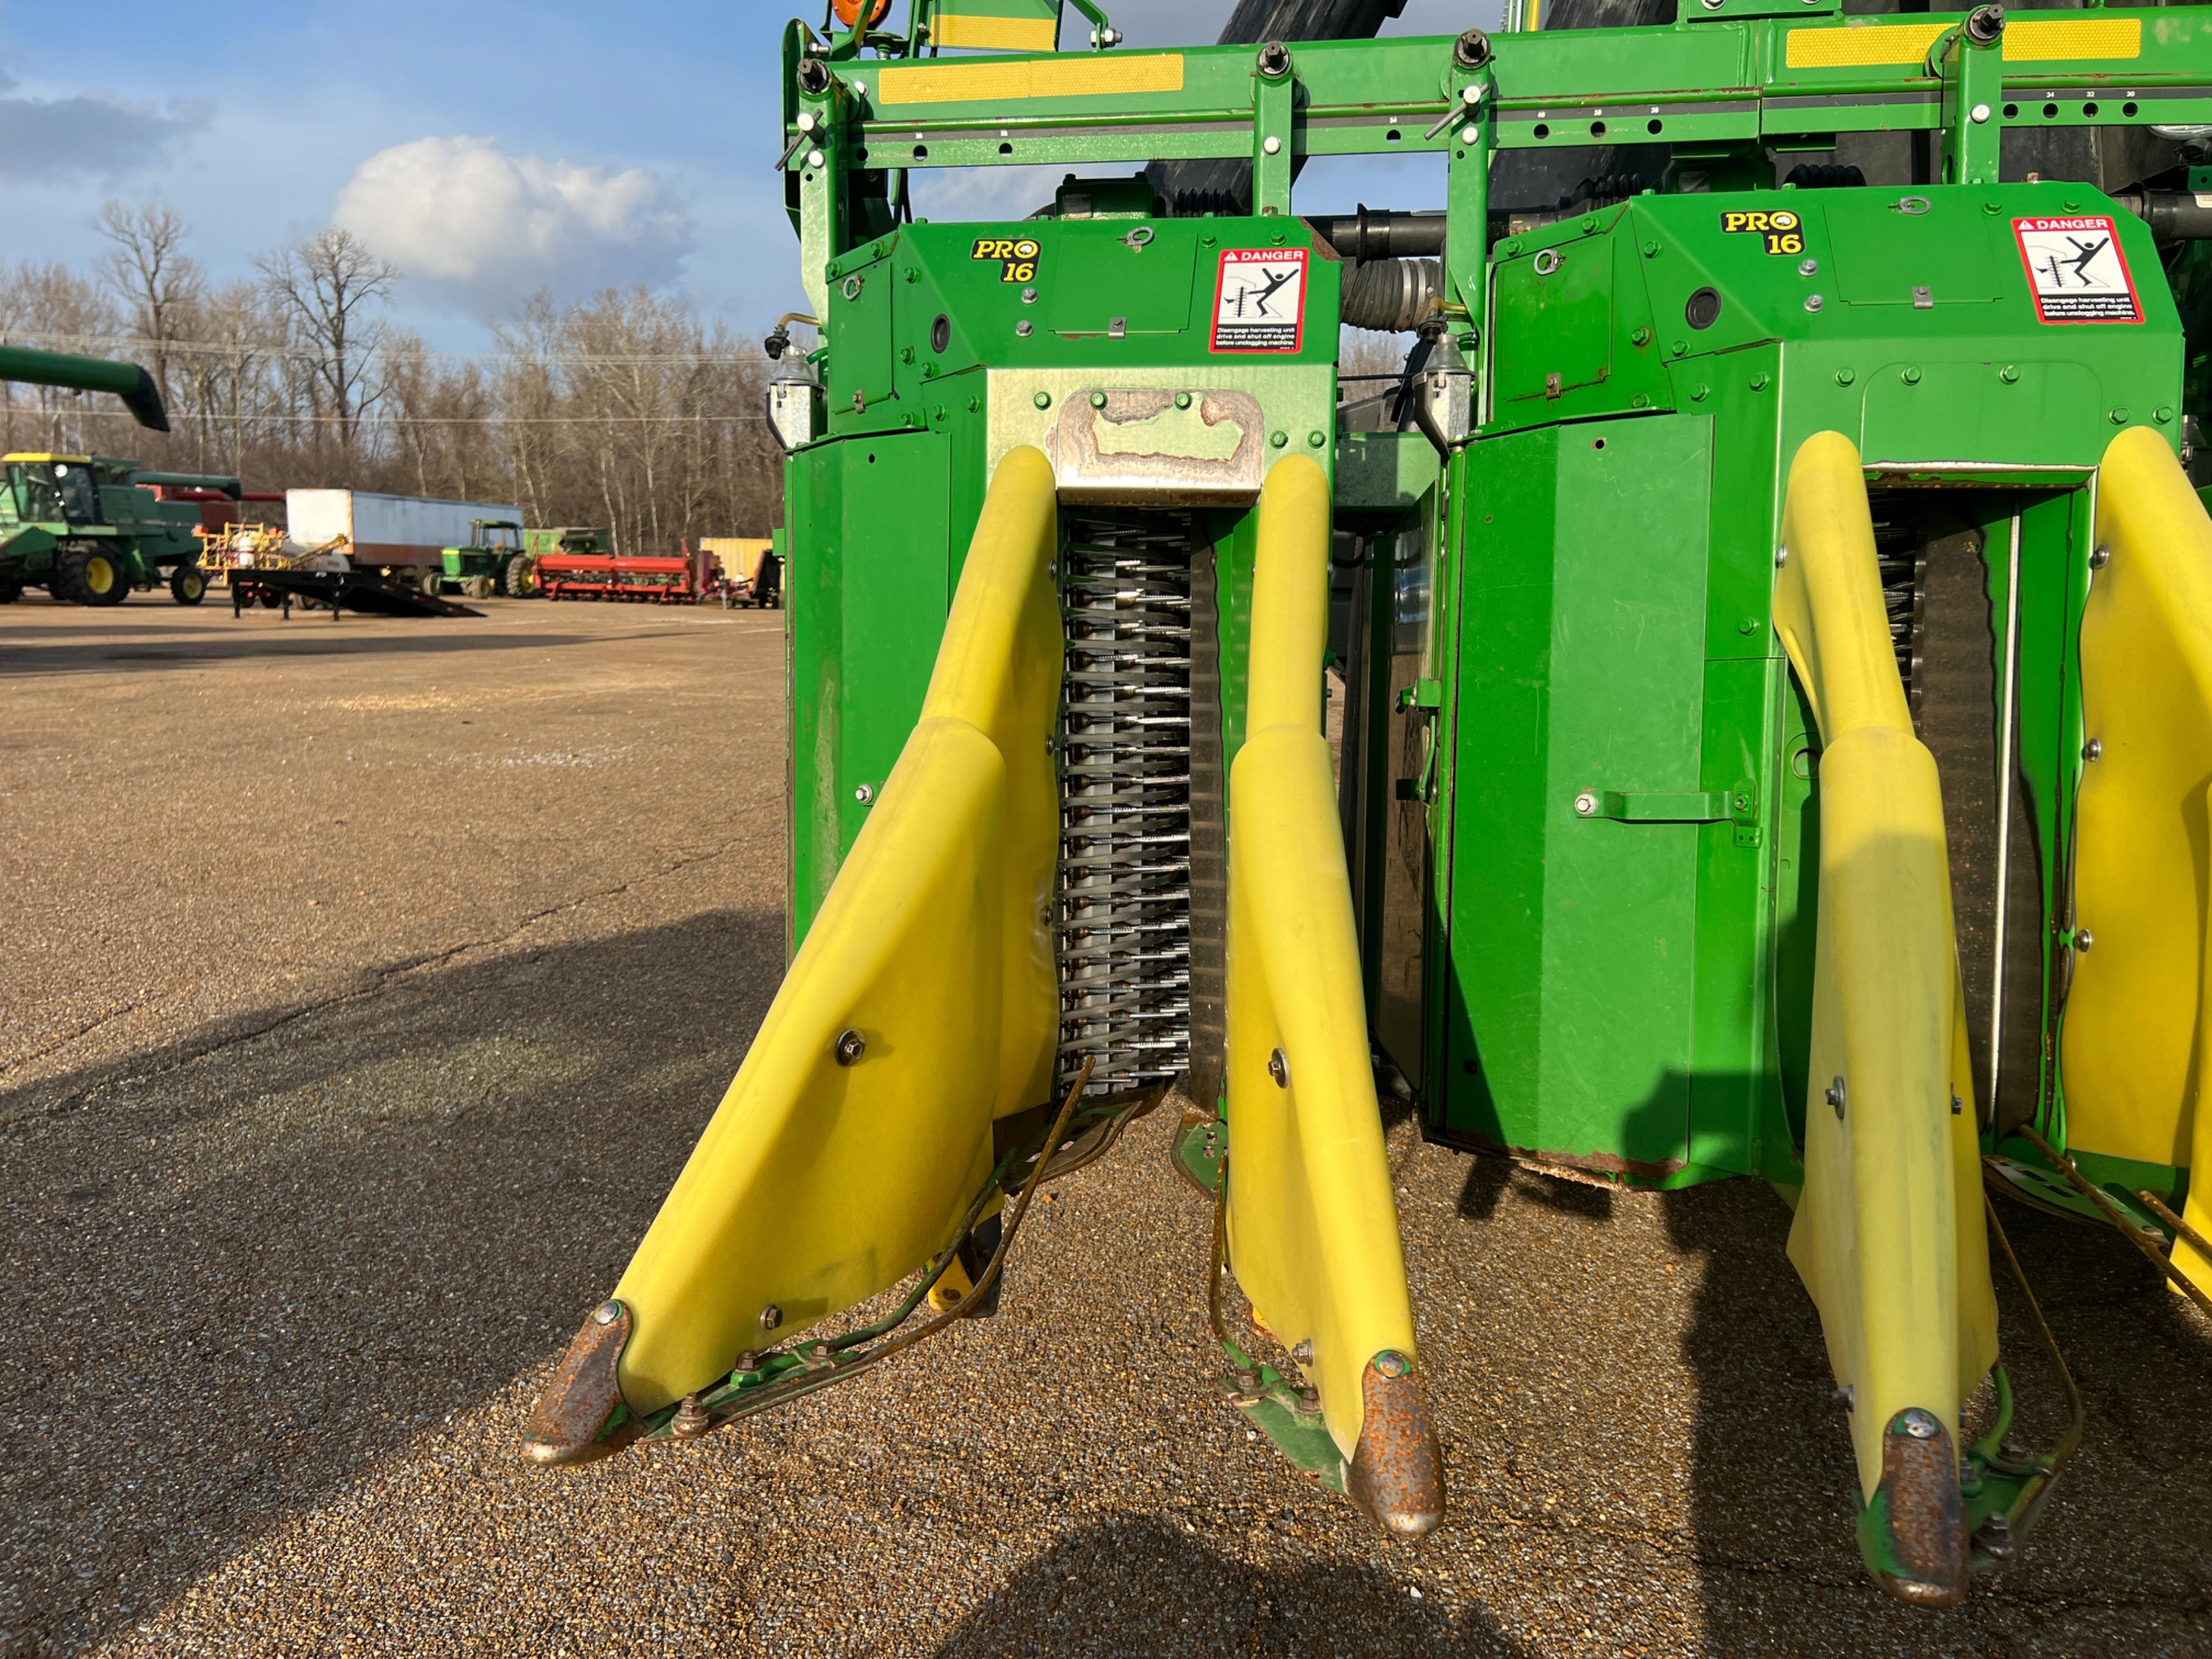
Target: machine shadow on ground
1103,1590
1774,1481
1771,1476
22,657
172,1218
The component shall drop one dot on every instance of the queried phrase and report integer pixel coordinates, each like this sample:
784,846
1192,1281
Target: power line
135,345
184,419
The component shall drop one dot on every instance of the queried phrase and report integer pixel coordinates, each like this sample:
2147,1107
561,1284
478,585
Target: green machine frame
1580,781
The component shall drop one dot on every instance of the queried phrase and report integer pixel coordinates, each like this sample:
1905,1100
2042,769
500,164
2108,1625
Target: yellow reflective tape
1093,75
997,33
2096,37
1908,43
1854,48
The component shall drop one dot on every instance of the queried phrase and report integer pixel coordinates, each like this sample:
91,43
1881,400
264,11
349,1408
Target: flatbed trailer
336,591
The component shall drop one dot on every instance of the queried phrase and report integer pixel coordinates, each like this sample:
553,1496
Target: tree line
624,410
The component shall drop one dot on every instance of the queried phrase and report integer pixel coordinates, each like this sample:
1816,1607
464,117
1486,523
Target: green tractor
493,562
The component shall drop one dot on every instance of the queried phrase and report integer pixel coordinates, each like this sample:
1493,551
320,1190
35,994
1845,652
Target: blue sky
488,145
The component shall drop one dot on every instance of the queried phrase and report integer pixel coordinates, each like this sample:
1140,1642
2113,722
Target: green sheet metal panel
1582,668
868,591
1555,323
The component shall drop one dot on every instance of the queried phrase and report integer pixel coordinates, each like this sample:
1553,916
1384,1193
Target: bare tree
229,395
623,410
327,285
52,307
149,272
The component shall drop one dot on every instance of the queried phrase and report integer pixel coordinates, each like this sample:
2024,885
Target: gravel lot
368,986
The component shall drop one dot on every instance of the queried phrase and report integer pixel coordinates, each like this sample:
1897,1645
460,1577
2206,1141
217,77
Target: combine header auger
1778,675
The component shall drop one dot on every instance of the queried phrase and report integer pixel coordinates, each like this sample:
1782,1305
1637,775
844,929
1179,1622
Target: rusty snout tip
1913,1534
568,1423
1397,1474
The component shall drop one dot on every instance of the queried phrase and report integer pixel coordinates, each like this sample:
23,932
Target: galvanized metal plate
1198,447
1138,446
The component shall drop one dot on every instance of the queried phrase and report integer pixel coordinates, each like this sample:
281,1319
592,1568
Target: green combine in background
1777,651
78,524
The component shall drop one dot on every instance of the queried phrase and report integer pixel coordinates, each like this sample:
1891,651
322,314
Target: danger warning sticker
1260,300
2076,270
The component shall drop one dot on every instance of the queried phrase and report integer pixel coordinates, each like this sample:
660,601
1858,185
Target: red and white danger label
2076,271
1260,300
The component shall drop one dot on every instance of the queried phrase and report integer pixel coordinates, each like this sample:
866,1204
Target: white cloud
483,230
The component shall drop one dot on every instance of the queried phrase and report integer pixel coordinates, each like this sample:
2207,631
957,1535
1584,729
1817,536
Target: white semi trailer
401,536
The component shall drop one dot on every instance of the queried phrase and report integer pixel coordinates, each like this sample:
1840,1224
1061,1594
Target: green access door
1577,805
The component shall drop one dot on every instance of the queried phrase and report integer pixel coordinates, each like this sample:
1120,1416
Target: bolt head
607,1312
864,794
1808,267
2100,558
1920,1425
1274,145
1586,804
1278,1067
2083,938
1981,113
1467,134
1391,1362
2092,749
850,1046
814,159
1024,328
771,1318
1835,1097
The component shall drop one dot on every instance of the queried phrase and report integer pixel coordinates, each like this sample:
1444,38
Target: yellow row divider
1888,1236
1312,1229
2135,1050
922,1007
